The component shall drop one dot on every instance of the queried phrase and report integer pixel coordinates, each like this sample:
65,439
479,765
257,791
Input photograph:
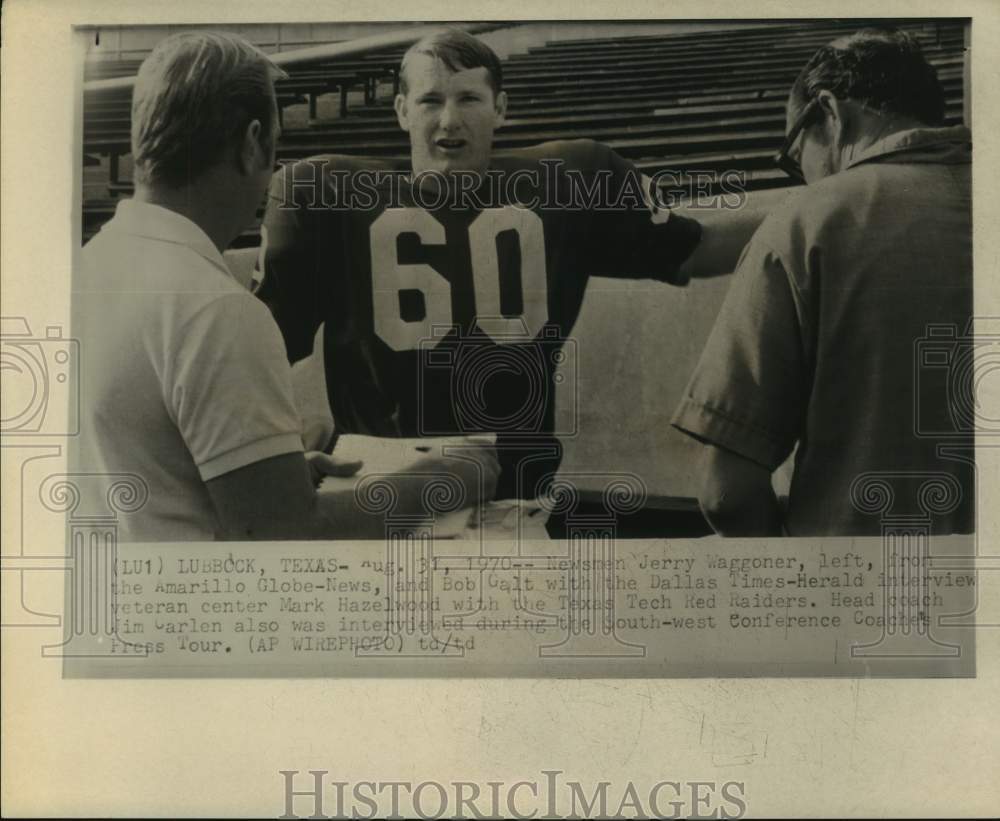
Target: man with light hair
185,382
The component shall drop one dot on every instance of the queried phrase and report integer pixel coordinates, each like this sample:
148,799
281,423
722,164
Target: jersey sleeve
749,392
293,261
228,387
634,236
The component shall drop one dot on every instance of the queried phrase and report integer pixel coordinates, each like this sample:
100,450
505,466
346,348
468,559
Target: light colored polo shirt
184,375
817,341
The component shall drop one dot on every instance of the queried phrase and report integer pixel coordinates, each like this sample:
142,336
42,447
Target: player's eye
429,101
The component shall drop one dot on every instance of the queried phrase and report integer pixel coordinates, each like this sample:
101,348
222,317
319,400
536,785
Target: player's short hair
881,68
194,97
458,50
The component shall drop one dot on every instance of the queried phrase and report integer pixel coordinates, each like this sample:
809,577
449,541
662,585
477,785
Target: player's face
449,115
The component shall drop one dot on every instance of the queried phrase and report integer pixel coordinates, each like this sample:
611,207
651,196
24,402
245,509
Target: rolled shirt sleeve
749,391
228,387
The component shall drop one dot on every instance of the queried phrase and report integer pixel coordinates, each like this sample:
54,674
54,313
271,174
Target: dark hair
457,50
194,97
881,68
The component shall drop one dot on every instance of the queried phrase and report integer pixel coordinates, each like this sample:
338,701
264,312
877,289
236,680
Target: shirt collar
144,219
932,145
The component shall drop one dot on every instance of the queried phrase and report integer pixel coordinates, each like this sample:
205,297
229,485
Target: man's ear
500,106
402,114
251,148
835,116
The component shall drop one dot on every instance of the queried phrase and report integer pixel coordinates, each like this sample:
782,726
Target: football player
449,283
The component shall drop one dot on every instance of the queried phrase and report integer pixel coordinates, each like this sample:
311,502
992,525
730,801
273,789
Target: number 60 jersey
448,313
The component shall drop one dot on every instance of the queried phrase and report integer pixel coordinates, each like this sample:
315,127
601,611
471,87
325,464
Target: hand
473,461
322,465
483,452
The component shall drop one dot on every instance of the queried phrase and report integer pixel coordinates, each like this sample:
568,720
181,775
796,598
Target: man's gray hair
194,97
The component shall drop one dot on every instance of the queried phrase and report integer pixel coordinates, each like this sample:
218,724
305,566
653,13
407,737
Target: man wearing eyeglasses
815,344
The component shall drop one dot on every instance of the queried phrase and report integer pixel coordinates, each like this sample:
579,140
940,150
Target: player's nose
449,118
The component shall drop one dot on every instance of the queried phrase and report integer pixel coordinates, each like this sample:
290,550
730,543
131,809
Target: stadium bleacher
707,101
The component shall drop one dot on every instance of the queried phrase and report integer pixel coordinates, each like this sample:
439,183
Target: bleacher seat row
697,101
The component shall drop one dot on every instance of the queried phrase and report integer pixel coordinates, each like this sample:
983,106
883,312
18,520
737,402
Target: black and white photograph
530,243
486,351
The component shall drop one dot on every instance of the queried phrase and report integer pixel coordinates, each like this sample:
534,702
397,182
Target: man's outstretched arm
736,495
725,233
276,498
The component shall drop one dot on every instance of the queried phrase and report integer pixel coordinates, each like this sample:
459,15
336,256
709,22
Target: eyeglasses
783,158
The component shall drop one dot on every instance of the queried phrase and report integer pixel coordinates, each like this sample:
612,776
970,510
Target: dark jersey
448,314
